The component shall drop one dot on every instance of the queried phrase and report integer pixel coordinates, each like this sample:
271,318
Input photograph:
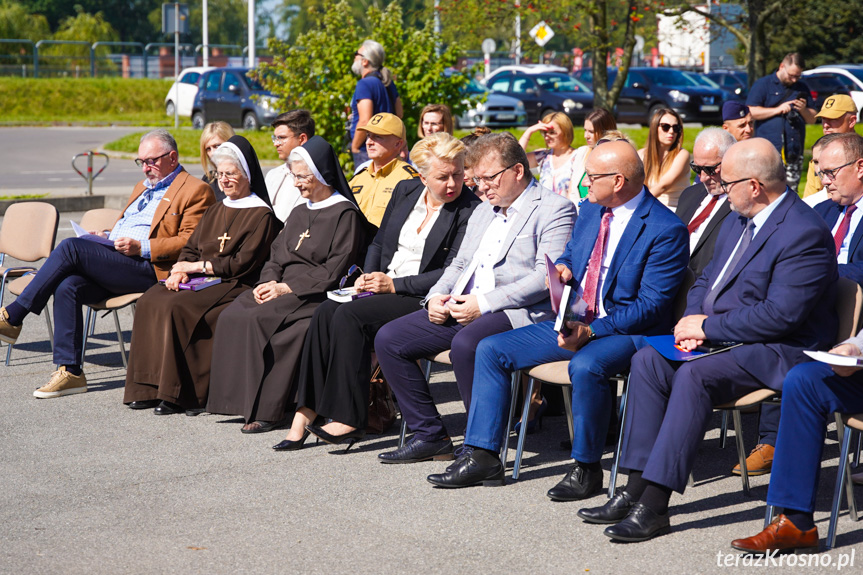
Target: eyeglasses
709,171
593,177
670,127
358,54
727,185
150,161
351,271
490,180
227,175
832,173
278,139
305,178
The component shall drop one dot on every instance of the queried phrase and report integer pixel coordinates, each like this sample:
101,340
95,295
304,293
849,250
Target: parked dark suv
230,95
647,89
822,86
543,90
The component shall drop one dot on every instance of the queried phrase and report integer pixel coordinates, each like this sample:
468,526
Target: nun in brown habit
172,338
260,335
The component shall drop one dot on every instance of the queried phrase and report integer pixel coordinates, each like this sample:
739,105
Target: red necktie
591,279
705,213
843,228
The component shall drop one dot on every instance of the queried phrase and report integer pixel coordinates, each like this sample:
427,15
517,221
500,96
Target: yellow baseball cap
385,125
837,106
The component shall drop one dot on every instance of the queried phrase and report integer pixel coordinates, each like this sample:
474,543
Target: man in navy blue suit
630,252
771,286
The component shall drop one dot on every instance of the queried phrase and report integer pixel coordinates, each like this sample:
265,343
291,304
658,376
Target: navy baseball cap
734,110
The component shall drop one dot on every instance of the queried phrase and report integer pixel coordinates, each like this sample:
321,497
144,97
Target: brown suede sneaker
759,462
62,383
8,332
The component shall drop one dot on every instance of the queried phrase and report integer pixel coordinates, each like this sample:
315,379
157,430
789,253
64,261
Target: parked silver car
497,111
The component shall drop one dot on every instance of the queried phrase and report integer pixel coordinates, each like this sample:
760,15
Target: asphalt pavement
90,486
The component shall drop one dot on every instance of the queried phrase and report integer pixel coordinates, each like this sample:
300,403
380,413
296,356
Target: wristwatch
592,335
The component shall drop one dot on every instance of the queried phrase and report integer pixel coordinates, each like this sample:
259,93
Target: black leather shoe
168,408
469,472
417,450
615,509
146,404
291,445
579,483
350,437
640,525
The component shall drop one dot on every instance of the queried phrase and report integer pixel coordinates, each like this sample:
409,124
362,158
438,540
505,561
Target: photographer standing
781,106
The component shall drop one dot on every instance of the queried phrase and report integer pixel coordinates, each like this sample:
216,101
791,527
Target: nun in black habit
260,336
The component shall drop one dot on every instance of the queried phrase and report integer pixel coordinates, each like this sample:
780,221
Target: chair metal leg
522,430
515,387
88,319
723,430
8,353
403,432
768,516
624,395
120,339
741,455
50,327
859,446
841,477
567,405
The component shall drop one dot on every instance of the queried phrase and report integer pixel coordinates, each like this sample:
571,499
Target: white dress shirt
408,257
620,216
842,258
696,234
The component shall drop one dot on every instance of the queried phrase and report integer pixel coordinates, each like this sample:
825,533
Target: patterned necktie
843,228
591,279
735,259
705,213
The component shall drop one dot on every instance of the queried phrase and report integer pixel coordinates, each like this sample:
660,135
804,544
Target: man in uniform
782,106
838,116
290,130
159,217
737,120
373,184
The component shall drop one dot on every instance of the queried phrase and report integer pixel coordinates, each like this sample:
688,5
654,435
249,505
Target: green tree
17,23
83,27
127,17
314,72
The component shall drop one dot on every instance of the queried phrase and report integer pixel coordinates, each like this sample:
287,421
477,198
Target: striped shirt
138,217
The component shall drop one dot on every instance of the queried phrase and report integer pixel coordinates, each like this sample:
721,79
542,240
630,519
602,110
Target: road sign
169,19
488,46
541,33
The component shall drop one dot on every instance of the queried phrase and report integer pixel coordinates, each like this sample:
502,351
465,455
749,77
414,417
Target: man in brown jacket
140,249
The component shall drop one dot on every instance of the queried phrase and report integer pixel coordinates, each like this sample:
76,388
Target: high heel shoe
536,421
350,437
290,444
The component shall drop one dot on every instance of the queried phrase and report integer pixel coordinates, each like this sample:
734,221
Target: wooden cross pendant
303,236
224,237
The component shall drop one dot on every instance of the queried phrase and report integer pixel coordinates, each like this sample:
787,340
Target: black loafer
640,525
614,511
469,472
146,404
580,483
168,408
417,450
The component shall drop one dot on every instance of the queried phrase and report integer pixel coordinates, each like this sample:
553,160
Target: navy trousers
76,273
811,393
498,356
669,407
401,342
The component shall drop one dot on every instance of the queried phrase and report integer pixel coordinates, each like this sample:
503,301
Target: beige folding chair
28,234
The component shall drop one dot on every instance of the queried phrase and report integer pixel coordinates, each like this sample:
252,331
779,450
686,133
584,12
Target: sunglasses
709,171
670,127
351,271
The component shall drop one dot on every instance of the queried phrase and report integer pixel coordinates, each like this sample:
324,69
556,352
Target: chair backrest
849,305
29,230
100,219
680,300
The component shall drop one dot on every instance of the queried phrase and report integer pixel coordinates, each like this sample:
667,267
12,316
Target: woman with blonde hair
419,236
666,163
556,161
434,118
213,135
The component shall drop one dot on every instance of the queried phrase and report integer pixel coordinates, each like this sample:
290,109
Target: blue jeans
810,394
76,273
589,369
